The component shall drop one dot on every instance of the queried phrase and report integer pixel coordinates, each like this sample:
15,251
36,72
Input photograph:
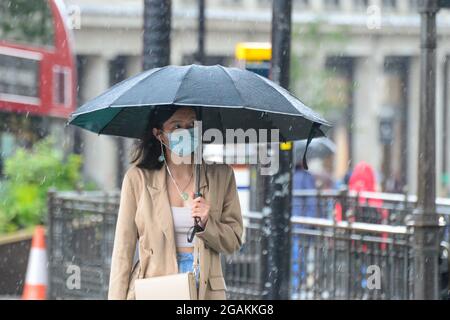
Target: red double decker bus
37,65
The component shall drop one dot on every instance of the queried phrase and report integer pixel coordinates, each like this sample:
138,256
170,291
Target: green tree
27,21
28,176
307,81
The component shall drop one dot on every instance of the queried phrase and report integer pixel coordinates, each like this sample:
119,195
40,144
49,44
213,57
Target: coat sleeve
124,242
223,232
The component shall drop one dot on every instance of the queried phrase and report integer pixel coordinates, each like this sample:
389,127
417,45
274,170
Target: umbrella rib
181,83
103,128
285,94
137,83
271,88
234,85
110,105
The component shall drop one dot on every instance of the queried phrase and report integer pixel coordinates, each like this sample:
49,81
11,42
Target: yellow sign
254,51
285,146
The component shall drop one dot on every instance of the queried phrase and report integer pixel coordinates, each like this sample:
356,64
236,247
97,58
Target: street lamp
425,220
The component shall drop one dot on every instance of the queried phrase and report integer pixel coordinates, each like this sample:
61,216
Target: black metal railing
345,260
80,240
369,207
341,243
245,270
346,245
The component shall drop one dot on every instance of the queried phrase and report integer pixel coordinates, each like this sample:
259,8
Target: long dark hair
148,149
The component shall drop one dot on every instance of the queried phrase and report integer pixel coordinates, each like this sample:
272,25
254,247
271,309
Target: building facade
365,57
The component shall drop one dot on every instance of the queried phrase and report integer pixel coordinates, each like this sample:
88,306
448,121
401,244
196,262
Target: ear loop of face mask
161,158
160,140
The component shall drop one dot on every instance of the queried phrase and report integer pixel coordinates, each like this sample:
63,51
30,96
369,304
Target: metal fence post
50,210
279,195
425,221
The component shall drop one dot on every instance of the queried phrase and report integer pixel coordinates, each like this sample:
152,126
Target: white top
183,221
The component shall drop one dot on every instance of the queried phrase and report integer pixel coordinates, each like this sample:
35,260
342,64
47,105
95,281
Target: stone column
368,95
440,66
100,161
413,122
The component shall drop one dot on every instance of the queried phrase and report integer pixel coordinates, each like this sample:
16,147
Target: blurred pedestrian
305,206
303,180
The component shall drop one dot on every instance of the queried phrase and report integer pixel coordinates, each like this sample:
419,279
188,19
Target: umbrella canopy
225,98
319,148
229,98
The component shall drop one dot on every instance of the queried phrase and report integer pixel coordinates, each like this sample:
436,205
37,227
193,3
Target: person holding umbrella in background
306,206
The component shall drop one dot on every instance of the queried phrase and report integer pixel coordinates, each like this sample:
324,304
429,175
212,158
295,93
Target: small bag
181,286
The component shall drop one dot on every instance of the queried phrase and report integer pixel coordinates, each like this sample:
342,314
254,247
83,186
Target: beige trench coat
145,216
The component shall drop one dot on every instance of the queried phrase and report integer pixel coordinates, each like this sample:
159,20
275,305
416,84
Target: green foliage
27,21
29,175
308,82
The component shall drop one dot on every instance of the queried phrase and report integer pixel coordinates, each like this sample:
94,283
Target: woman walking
158,208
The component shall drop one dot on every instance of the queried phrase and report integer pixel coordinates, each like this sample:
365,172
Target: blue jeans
185,261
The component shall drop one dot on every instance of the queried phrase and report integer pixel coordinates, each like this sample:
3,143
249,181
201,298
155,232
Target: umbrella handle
198,112
197,194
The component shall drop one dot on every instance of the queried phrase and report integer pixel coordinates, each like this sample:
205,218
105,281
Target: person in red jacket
363,179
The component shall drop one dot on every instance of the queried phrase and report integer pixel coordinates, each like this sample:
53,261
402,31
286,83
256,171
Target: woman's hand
200,209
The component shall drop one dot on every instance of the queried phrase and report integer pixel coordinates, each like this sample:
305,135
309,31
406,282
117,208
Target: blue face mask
182,141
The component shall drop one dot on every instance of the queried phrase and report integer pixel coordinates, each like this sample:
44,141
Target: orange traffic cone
36,278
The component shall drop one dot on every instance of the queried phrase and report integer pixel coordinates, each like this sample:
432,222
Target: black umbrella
318,148
227,98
